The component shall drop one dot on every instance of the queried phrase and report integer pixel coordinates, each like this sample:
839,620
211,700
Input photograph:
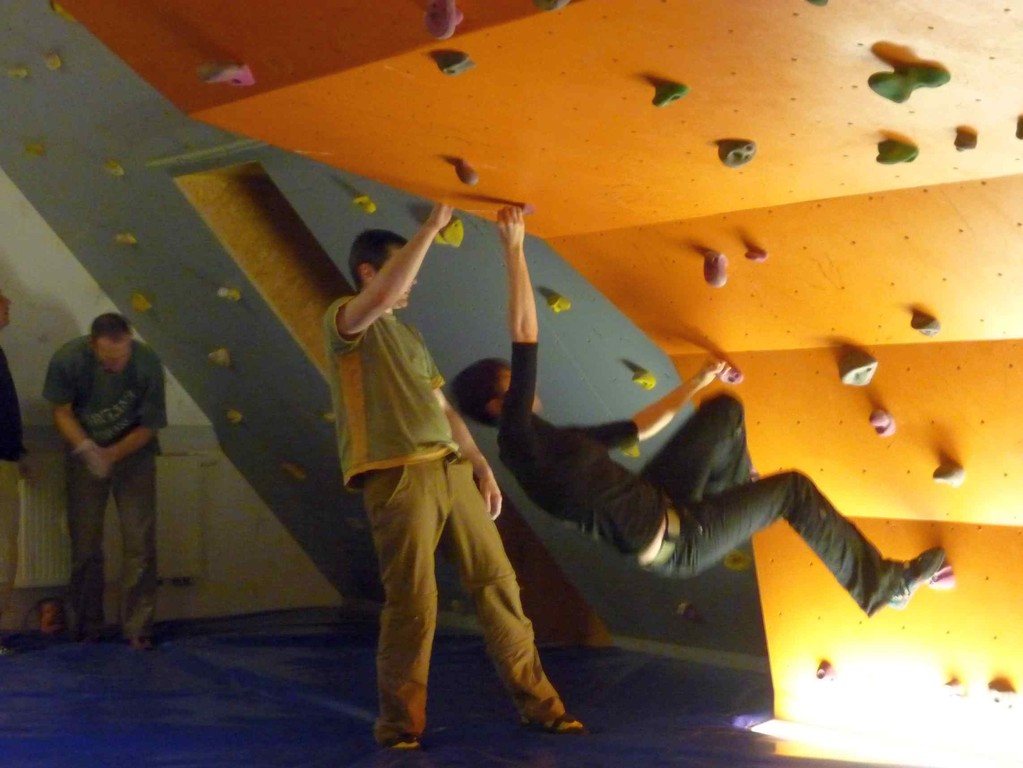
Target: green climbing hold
897,86
818,2
551,5
736,152
892,151
668,92
453,62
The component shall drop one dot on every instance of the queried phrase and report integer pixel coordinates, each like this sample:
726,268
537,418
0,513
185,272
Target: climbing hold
551,5
466,173
36,148
883,423
230,294
61,11
140,303
527,209
736,152
950,473
558,303
688,612
53,62
926,324
668,92
442,16
329,416
944,579
825,671
715,267
755,253
232,74
644,378
233,416
630,448
453,62
731,375
220,356
821,3
1001,691
966,138
365,203
294,470
114,168
737,560
954,687
897,86
891,151
18,73
857,368
452,234
1019,127
125,238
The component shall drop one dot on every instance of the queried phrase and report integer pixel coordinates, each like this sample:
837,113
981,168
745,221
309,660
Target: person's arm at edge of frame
522,322
656,416
467,445
394,279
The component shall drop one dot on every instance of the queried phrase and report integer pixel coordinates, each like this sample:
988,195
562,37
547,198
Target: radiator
44,547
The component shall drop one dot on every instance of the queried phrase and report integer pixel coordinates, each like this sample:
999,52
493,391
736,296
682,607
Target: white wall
251,563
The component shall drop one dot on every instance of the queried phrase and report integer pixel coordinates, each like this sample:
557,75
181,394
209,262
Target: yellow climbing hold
329,416
18,73
53,62
233,416
35,148
220,356
125,238
61,11
114,168
294,470
631,448
365,202
452,234
737,560
229,294
140,303
558,303
644,379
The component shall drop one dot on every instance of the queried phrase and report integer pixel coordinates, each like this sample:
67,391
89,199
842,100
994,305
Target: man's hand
512,228
708,373
94,458
489,491
439,217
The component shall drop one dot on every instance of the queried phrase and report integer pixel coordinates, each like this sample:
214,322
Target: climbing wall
778,183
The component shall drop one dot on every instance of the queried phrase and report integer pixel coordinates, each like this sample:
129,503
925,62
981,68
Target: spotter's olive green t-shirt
108,405
383,383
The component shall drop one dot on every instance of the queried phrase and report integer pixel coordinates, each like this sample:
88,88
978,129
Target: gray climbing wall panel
96,109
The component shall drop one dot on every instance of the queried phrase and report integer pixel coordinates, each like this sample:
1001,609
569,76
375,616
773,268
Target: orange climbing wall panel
558,111
891,668
847,268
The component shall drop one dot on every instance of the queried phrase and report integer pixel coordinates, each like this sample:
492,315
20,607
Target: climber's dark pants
707,478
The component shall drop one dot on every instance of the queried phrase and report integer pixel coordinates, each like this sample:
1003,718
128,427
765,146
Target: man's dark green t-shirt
108,405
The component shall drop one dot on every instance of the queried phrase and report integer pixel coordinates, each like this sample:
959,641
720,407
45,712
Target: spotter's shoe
404,741
929,568
566,725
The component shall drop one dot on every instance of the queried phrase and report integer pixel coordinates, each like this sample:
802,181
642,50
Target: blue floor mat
298,690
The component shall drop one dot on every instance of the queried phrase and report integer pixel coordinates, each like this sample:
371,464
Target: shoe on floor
916,573
566,725
404,741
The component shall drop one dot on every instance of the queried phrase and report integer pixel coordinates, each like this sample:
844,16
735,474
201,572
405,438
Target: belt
672,531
